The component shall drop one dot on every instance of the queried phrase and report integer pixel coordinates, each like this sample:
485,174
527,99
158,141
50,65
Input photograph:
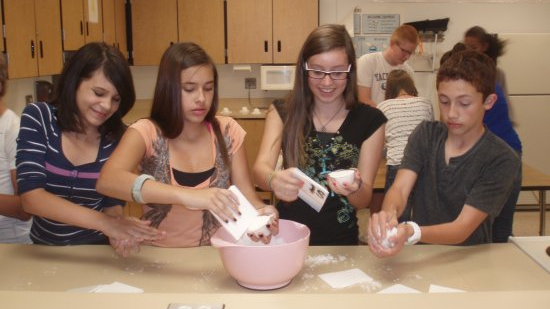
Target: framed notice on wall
379,23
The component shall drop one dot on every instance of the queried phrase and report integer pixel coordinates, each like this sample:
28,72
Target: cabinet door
94,21
120,26
249,31
292,23
20,38
72,18
1,23
109,22
154,28
48,35
202,22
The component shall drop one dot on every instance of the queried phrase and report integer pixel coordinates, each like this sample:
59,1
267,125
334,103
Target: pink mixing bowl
265,267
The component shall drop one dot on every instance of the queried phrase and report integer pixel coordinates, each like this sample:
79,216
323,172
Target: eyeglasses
407,52
320,74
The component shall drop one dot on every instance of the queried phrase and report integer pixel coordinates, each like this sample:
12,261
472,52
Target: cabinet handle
41,50
87,29
279,45
265,46
32,48
81,28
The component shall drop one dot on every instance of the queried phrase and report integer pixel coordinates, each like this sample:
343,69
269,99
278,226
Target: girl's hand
285,185
346,188
127,233
221,202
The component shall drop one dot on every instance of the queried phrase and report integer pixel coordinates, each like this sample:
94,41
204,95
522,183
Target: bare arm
365,95
10,205
118,175
283,184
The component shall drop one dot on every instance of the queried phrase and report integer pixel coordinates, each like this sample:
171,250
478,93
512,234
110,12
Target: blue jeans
391,172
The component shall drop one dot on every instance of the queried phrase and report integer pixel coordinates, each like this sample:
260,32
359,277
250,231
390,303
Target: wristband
417,233
136,187
269,179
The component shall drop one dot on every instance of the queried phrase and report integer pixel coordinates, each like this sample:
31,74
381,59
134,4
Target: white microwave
277,77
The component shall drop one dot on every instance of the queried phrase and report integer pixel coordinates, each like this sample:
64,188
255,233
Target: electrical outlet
250,83
28,99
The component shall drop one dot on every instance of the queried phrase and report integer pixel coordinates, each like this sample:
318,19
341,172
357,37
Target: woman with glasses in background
322,127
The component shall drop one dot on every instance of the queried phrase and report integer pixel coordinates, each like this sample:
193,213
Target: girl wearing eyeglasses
322,127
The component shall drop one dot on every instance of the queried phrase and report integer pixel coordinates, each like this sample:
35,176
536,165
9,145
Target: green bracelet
269,179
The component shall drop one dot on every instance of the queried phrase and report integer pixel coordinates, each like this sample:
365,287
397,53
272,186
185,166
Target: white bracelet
136,187
417,233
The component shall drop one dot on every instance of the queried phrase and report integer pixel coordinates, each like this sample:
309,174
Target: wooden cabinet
82,22
114,24
156,25
202,22
268,31
154,28
33,37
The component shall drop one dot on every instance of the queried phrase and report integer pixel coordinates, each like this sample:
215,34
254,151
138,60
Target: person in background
373,68
187,156
461,172
478,39
62,147
497,119
404,110
322,127
14,222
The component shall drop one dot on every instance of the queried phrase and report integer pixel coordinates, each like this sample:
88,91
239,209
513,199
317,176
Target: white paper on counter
398,288
115,287
434,288
343,279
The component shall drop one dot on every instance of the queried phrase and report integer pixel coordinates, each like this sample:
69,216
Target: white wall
495,16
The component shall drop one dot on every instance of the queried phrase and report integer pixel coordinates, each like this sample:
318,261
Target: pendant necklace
324,126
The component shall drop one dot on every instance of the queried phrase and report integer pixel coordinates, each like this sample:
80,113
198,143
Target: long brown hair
399,80
300,102
166,110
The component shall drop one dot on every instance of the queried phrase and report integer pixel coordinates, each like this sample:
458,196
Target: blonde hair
405,33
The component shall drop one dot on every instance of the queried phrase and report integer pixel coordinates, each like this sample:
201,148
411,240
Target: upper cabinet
114,24
268,31
33,37
202,22
157,24
154,28
82,22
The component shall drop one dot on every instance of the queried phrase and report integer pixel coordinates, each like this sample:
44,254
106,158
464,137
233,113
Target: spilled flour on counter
324,259
314,263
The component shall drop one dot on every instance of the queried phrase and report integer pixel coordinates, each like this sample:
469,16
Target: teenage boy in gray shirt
462,173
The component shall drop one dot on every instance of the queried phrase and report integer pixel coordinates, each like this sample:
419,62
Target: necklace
324,125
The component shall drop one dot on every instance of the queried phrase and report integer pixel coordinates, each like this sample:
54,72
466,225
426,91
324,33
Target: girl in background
404,110
15,223
187,156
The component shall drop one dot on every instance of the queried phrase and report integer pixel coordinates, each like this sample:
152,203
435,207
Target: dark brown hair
82,65
495,46
300,103
167,111
471,66
399,80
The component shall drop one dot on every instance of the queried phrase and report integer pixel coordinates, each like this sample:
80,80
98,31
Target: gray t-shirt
482,178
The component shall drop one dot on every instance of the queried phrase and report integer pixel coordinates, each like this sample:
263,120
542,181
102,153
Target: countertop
142,108
197,275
